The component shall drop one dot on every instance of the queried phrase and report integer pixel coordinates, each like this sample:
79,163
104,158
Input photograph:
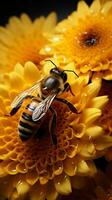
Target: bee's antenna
71,71
52,63
63,70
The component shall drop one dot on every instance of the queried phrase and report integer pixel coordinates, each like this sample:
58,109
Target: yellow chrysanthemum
22,39
36,169
85,38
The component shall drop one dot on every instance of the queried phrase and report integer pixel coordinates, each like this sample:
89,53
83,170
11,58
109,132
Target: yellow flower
85,38
37,169
22,39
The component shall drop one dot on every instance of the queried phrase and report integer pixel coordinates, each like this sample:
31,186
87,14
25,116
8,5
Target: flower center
89,39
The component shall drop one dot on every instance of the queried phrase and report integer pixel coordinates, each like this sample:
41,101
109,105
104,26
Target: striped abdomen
27,127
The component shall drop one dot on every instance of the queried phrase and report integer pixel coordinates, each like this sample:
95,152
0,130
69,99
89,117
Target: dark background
36,8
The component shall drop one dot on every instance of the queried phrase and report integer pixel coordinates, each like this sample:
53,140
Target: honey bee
33,115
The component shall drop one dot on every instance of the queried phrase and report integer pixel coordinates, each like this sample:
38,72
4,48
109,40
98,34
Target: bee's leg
70,105
67,87
15,109
52,126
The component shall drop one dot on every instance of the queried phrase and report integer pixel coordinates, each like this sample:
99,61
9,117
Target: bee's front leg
67,87
70,105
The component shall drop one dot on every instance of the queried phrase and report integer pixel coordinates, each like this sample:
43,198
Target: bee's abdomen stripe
24,131
26,125
27,116
30,107
23,136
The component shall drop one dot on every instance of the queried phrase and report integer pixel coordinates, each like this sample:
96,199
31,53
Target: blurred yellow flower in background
85,39
36,169
22,39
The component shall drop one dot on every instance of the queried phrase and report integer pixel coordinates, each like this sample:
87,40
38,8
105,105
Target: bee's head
58,72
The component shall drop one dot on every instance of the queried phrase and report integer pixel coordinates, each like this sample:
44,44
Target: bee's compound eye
64,77
53,71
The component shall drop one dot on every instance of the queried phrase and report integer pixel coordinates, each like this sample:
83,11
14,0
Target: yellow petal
32,177
39,23
92,168
52,194
44,177
11,168
15,195
38,192
82,167
99,102
90,115
16,80
26,20
88,150
62,184
4,91
78,129
31,72
103,143
86,168
6,37
94,131
22,187
19,69
107,6
2,170
15,26
58,168
72,150
107,75
21,168
50,22
70,166
83,9
2,104
93,88
47,67
95,7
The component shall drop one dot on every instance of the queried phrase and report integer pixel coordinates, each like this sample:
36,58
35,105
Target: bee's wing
20,97
42,107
